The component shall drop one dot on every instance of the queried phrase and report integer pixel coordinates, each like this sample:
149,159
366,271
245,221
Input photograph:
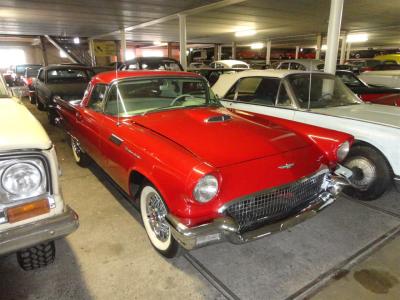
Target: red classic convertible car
202,173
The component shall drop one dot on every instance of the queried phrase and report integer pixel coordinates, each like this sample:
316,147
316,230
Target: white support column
219,52
343,49
182,41
233,50
91,50
268,52
348,51
319,45
297,52
123,45
335,20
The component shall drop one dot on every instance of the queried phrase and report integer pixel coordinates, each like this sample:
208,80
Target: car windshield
32,71
142,96
324,90
162,64
67,75
349,79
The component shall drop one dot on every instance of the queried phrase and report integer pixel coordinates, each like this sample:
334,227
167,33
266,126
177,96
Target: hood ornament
287,166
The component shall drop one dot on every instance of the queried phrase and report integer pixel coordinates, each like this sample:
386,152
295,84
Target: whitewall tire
154,210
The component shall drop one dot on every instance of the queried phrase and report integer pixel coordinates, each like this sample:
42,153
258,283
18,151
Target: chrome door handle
116,139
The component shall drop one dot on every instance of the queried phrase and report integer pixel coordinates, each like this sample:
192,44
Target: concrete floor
348,251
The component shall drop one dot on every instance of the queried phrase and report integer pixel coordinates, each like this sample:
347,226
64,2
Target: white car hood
372,113
19,129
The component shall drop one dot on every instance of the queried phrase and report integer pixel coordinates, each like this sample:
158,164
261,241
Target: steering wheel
180,98
325,97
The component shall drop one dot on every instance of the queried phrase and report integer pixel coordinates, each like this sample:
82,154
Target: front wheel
37,256
371,173
154,211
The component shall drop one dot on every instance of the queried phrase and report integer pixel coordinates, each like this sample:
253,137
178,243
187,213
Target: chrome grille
267,206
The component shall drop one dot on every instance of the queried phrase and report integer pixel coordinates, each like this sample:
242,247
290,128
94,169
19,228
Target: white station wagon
32,210
323,100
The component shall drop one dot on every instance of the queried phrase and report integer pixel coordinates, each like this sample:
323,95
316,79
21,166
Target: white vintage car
229,64
32,210
321,99
389,78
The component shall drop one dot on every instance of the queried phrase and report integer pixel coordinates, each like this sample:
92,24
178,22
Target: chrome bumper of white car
227,229
396,181
31,234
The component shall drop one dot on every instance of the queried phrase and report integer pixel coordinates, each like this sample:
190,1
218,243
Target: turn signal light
29,210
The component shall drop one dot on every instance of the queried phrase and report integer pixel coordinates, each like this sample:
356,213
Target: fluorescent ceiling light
324,47
158,43
249,32
76,40
357,38
257,46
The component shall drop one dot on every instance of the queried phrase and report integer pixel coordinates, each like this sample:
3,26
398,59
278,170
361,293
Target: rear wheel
371,173
32,98
37,256
154,211
40,106
81,158
51,117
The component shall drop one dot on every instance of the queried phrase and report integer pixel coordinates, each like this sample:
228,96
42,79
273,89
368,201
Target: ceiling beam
187,12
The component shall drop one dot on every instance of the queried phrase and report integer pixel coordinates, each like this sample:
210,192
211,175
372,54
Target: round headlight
206,189
342,151
21,179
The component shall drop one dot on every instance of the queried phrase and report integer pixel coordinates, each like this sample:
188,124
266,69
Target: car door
263,95
40,85
115,150
89,119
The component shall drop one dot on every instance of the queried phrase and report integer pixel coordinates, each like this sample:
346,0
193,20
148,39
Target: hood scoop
217,119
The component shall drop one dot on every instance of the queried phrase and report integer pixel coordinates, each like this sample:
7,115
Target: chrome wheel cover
156,212
364,171
76,148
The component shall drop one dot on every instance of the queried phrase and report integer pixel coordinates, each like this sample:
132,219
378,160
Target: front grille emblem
287,166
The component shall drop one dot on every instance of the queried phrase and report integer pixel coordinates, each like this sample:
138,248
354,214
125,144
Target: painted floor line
211,278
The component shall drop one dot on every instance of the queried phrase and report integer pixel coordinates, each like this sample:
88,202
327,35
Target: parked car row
258,153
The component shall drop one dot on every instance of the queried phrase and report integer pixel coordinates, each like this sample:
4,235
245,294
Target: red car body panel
174,149
392,99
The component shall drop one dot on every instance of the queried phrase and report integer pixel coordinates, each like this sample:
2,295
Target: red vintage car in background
201,173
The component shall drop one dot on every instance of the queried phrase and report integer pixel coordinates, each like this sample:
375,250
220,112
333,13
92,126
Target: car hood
372,113
223,142
19,129
68,90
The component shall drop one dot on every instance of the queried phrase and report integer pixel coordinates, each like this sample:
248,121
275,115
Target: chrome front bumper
396,181
31,234
226,228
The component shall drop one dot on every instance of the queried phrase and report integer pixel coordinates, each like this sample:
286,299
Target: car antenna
309,89
117,90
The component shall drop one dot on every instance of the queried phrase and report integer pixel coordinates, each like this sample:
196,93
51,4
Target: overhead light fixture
76,40
324,47
257,46
357,38
158,43
248,32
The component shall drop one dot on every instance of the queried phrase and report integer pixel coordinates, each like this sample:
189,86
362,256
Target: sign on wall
104,48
